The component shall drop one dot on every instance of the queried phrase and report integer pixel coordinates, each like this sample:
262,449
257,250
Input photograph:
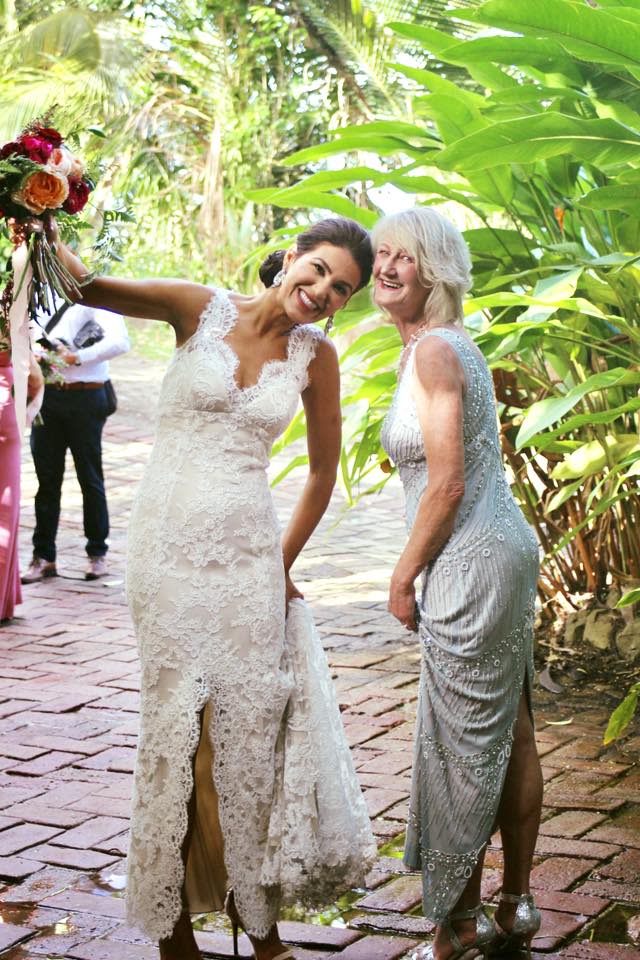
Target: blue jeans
72,420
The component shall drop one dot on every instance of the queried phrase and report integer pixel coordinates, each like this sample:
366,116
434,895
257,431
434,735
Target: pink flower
79,191
77,168
60,160
37,148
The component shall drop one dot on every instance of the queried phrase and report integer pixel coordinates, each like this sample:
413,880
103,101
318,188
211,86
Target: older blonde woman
475,762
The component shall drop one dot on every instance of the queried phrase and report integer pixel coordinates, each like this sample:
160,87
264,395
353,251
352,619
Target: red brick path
68,717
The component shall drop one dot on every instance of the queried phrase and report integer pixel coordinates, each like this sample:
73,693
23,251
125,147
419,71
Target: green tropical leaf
583,31
335,202
618,196
600,417
436,41
622,715
591,458
436,83
300,461
633,596
539,137
545,413
605,504
373,142
562,495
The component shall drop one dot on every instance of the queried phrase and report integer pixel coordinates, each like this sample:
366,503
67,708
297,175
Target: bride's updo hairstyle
440,253
339,232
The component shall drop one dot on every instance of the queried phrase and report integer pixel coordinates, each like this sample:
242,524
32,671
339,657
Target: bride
244,784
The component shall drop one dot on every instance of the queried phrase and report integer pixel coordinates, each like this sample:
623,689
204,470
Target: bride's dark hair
338,231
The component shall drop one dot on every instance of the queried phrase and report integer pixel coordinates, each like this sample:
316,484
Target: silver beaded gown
476,636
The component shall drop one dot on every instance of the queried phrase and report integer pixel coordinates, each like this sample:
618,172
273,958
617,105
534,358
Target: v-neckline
235,359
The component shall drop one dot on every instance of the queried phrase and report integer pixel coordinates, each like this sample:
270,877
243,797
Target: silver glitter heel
526,922
485,936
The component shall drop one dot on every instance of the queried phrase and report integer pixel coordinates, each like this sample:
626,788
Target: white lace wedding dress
225,676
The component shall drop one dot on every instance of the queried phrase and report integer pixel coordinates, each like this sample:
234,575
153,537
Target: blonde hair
441,255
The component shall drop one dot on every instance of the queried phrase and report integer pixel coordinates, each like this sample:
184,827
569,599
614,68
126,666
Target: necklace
417,333
415,336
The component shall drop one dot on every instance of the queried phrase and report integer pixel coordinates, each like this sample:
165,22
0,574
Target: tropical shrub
539,154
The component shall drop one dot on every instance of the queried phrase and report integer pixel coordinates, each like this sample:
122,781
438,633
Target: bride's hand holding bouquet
40,179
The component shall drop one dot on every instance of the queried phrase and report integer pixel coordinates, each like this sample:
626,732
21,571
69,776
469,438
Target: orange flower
42,190
559,213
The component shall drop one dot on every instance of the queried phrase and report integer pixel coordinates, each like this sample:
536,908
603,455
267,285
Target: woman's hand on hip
292,592
402,602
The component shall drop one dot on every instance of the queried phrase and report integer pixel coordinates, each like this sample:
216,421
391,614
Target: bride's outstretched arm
177,302
321,402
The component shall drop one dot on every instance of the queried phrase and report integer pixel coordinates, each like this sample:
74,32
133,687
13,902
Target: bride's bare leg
265,949
181,945
269,948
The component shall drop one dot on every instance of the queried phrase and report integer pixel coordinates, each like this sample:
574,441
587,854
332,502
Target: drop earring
328,325
279,277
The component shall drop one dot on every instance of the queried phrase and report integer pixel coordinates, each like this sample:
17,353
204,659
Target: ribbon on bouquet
21,339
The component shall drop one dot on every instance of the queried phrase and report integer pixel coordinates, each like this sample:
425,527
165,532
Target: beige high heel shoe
236,923
526,923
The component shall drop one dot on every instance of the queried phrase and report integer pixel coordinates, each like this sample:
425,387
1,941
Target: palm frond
73,58
355,44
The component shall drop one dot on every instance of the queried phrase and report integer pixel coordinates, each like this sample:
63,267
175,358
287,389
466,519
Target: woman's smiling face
397,286
318,283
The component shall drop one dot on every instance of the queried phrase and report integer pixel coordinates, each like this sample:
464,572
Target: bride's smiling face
318,283
397,287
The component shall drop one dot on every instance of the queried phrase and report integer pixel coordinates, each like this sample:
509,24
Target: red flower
13,148
48,133
37,148
79,191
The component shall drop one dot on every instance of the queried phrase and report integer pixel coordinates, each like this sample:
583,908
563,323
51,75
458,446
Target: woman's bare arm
438,389
321,402
177,302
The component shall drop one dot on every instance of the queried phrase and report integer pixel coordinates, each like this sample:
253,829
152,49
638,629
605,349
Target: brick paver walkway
68,702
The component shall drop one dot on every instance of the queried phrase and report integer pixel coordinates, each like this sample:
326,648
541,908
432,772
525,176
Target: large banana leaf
583,31
594,456
546,412
538,137
619,196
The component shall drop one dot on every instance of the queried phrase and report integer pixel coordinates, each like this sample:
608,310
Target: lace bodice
200,382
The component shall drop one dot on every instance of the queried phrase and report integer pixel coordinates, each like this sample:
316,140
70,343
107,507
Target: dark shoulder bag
111,398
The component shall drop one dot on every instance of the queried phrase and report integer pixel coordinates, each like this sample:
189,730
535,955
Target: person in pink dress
10,592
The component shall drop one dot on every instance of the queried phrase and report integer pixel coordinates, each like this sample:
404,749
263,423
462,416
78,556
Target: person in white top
73,415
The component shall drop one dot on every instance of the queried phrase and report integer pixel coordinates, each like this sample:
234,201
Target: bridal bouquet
39,178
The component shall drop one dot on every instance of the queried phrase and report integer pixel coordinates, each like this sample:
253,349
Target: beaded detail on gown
206,589
476,635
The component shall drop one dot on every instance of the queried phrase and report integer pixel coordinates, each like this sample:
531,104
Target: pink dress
10,593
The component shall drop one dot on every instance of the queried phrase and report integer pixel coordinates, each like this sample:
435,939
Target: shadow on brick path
68,717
